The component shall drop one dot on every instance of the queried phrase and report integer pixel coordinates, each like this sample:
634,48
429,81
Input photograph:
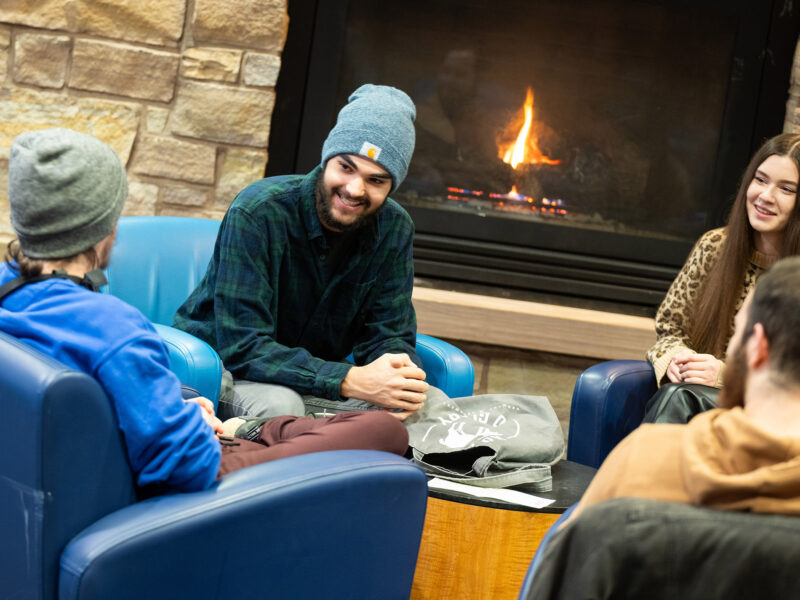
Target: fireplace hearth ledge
532,325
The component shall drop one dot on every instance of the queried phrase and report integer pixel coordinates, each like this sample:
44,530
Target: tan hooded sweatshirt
720,459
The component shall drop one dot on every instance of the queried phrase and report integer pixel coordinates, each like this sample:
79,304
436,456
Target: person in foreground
746,455
66,192
309,268
695,320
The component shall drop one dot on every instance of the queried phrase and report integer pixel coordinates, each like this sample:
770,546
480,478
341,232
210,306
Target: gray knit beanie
377,122
66,191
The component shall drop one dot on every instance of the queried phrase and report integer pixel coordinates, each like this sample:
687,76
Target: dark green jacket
636,548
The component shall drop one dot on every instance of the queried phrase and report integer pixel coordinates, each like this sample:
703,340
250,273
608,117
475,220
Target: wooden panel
531,325
474,552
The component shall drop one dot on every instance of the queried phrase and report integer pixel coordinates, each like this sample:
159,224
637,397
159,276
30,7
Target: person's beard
324,203
105,259
734,379
104,253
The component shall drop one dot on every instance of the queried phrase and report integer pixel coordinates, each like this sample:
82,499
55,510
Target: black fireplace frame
627,271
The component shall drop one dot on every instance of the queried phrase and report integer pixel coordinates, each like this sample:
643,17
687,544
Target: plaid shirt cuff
328,382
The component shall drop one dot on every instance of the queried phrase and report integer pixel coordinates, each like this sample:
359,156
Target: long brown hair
709,323
31,267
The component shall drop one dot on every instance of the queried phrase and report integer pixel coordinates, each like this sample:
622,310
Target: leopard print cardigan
672,318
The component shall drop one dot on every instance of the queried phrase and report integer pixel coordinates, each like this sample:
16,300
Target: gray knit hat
66,191
377,122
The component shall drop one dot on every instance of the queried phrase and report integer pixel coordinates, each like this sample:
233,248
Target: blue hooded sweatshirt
167,441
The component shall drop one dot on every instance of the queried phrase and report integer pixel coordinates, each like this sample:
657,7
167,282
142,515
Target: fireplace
574,149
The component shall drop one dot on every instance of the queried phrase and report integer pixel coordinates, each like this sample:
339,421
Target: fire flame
526,148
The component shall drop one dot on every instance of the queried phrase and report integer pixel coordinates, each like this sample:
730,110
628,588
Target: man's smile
348,202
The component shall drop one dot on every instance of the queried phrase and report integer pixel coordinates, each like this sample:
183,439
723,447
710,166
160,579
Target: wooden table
474,548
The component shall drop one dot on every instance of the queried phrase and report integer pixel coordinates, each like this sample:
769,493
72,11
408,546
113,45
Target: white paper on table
511,496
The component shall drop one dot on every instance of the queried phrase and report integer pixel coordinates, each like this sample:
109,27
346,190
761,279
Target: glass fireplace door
594,115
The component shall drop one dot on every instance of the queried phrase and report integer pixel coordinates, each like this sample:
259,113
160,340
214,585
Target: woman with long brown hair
695,320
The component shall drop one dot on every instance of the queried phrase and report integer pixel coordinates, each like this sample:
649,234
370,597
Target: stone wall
792,122
183,90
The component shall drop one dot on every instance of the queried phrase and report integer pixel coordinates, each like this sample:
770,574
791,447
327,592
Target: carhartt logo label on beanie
377,122
370,151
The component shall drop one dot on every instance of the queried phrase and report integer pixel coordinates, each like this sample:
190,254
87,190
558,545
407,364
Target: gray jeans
251,398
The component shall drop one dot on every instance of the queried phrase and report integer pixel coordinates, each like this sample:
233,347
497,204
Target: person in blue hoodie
66,193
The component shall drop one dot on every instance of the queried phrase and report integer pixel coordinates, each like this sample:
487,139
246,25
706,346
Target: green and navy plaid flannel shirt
274,313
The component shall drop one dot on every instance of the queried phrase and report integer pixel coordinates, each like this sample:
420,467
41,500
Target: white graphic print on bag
478,428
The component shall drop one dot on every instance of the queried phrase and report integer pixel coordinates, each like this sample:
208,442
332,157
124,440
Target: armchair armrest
608,403
446,366
291,528
194,362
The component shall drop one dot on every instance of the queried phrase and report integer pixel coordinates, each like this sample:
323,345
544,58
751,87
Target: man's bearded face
350,192
104,251
736,370
734,379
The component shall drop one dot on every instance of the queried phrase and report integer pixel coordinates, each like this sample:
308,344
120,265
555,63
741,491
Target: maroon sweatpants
291,436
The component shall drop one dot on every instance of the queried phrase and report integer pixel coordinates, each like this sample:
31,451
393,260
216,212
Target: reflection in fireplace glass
603,114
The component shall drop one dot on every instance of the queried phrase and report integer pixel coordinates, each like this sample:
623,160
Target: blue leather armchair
343,524
194,362
608,403
158,261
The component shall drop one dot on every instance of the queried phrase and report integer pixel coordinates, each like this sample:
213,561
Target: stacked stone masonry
183,90
792,122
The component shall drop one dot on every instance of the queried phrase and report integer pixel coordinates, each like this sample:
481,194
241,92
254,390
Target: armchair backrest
62,465
608,402
157,262
641,548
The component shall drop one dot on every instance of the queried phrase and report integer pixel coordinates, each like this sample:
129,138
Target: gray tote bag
492,440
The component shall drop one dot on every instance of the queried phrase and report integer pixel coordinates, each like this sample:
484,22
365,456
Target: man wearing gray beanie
66,191
311,268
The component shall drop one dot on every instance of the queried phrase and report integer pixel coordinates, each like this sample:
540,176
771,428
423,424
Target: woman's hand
674,368
690,367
